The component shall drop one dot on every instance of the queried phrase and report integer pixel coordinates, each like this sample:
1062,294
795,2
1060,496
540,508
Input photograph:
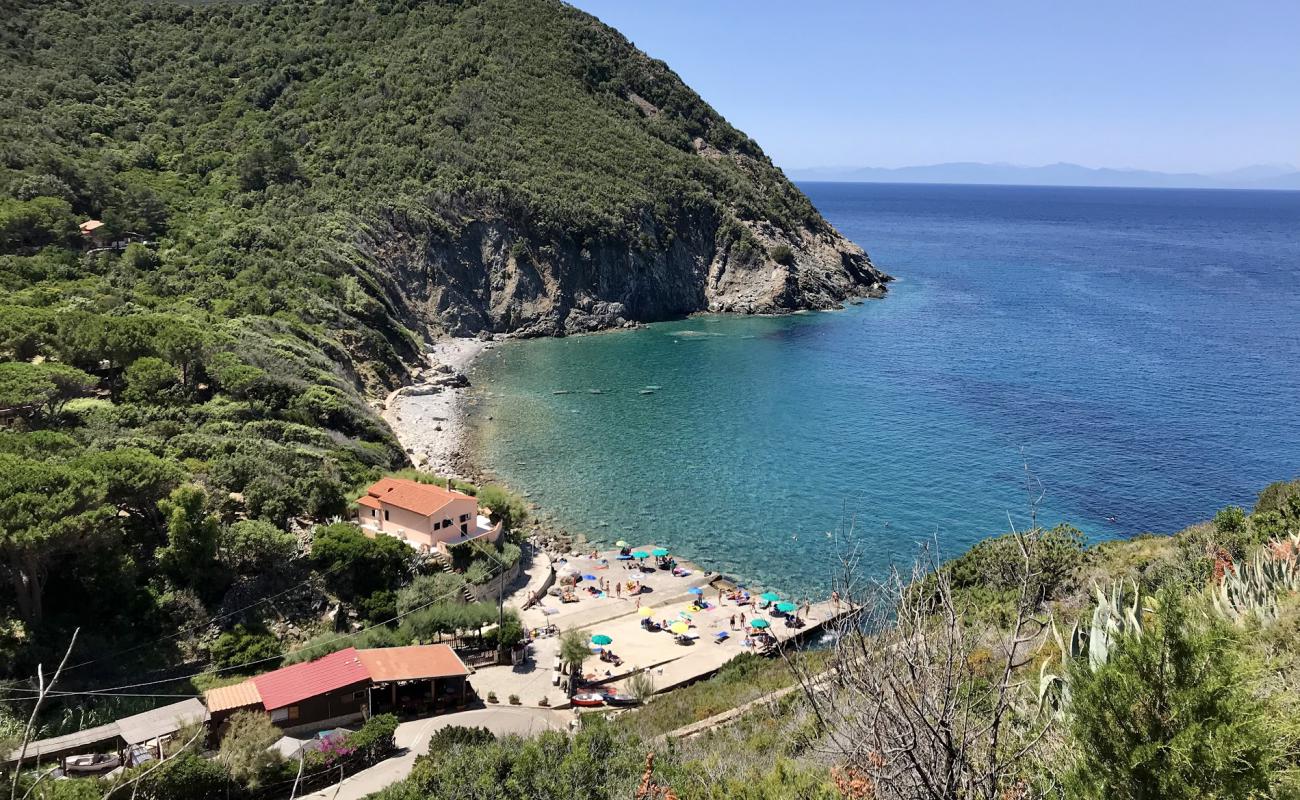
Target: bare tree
917,704
43,690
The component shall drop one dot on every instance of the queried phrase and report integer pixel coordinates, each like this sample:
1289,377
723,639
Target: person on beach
618,590
733,622
742,619
638,602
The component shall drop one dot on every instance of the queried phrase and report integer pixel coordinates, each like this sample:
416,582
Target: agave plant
1112,618
1251,588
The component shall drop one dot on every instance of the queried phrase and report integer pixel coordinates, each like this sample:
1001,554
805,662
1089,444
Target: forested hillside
293,197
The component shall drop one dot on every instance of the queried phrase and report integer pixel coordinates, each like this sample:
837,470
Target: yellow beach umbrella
679,627
647,611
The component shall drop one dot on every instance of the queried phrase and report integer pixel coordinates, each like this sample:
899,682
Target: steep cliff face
668,210
490,276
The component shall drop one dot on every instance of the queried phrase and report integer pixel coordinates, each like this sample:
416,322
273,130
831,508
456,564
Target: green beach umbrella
786,608
640,554
660,552
758,623
770,597
601,639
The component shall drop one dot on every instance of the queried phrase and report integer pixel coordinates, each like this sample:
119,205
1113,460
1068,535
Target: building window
437,525
293,712
372,512
279,714
385,515
464,517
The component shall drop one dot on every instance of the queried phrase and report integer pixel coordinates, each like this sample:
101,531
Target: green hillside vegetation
258,156
177,411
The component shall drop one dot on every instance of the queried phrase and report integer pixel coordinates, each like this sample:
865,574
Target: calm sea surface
1139,349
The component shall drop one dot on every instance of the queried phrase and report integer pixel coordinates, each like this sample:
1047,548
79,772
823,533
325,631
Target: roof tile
293,684
421,498
411,663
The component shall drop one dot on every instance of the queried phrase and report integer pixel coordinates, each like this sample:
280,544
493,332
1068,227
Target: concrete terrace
671,664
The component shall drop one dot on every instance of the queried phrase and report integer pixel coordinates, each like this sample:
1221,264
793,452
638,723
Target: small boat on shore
588,700
616,699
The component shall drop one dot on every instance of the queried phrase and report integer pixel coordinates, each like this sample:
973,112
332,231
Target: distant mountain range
1258,176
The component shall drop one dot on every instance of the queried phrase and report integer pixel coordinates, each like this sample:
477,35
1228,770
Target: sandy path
427,416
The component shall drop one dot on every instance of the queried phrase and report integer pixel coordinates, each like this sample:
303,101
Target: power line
117,690
200,625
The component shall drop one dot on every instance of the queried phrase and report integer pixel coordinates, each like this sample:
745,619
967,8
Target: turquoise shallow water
1140,349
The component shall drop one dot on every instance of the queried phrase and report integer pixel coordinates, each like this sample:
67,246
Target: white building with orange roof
425,516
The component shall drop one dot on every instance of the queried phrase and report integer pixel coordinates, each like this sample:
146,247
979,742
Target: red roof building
345,686
299,682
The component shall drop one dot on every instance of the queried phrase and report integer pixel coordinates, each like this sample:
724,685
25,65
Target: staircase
445,562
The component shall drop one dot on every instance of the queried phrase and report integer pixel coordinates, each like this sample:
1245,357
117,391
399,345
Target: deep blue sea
1139,350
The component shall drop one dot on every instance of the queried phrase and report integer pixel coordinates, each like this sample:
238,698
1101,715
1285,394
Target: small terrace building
425,516
346,687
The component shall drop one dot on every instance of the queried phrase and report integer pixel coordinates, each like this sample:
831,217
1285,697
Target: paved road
414,738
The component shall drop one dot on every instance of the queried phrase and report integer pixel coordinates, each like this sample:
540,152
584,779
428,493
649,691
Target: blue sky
1174,86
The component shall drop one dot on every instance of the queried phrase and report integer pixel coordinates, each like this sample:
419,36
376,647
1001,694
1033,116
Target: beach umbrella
679,627
620,543
640,554
786,608
660,552
758,623
695,590
770,597
601,639
647,611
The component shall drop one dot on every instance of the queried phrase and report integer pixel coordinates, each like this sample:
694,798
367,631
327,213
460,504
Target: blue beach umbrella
695,590
589,577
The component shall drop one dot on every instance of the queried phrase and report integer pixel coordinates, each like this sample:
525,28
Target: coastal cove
1103,334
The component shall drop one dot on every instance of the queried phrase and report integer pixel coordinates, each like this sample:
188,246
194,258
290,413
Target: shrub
506,506
356,565
514,699
438,587
1173,714
151,380
459,736
244,747
244,645
380,606
184,777
492,697
374,741
255,546
782,254
544,702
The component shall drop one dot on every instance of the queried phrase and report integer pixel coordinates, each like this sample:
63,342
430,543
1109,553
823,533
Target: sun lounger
720,637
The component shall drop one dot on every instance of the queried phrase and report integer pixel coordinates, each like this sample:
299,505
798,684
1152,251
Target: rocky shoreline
428,415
